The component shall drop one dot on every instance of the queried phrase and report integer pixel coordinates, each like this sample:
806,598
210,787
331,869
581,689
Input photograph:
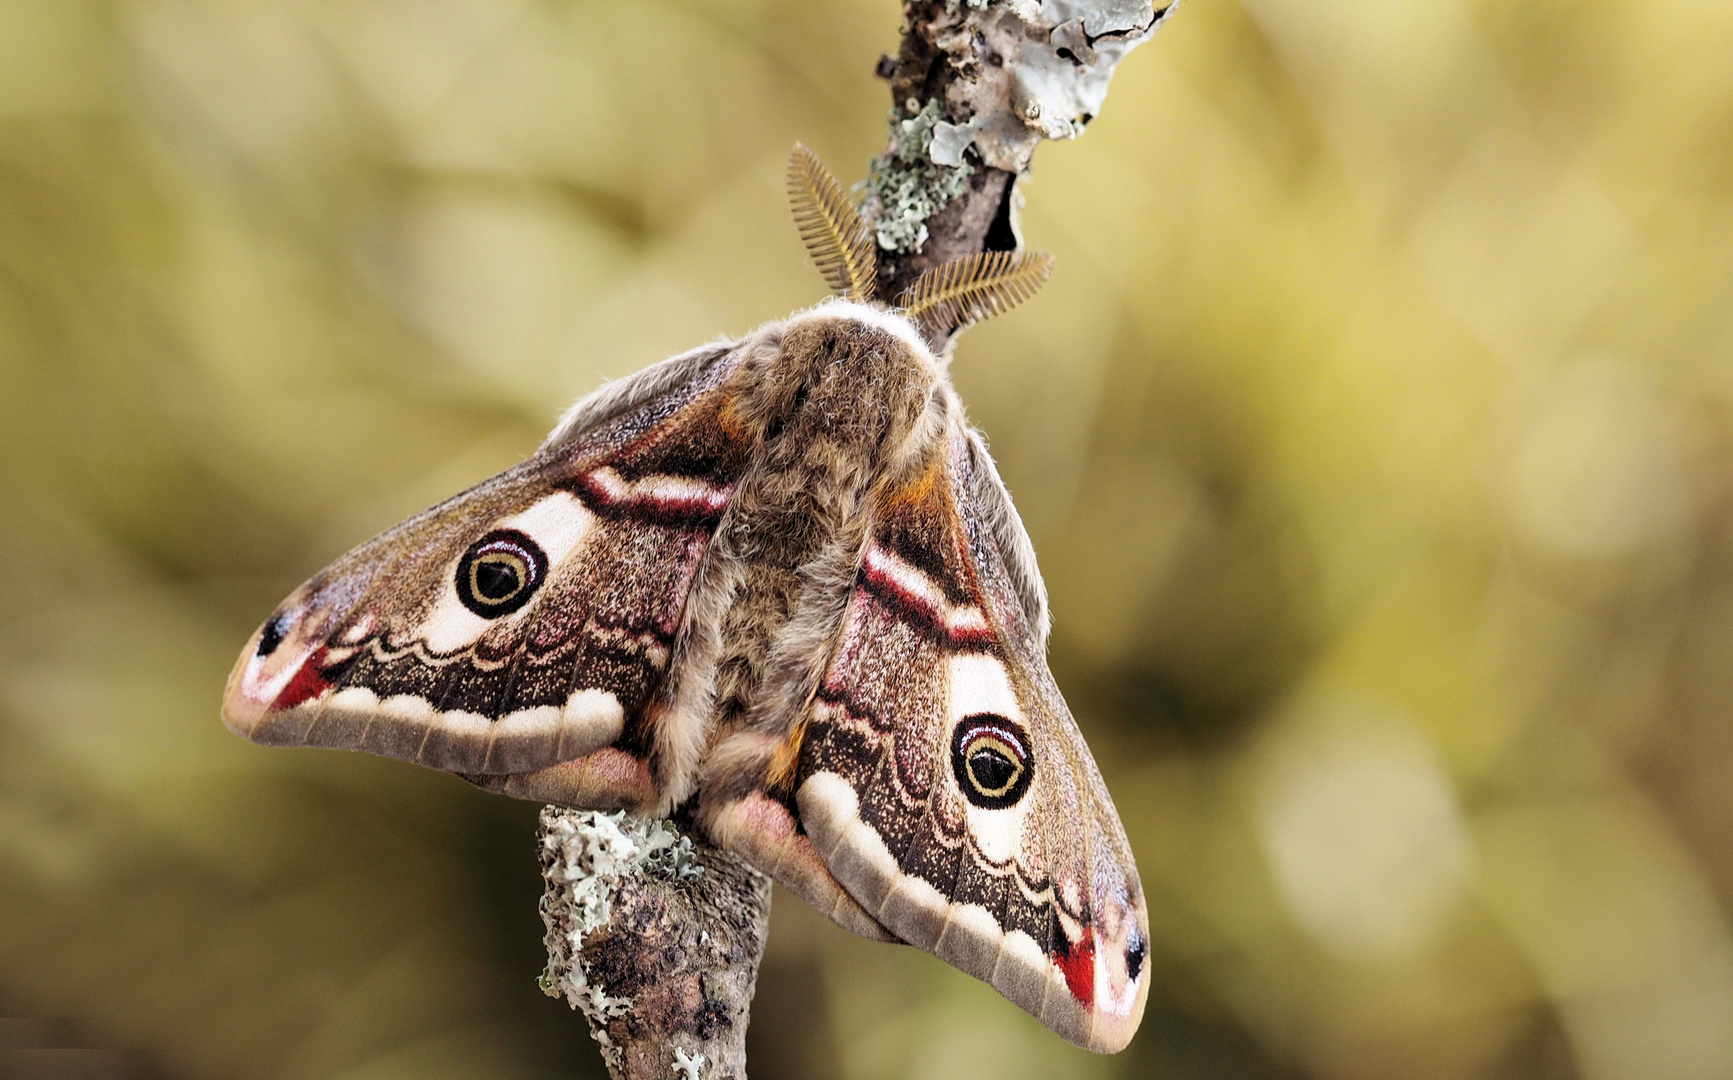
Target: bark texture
655,936
975,88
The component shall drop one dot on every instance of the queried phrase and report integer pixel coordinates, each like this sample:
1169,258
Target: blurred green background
1376,433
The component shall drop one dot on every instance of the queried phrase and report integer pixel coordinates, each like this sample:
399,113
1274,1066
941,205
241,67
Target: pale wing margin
623,395
1006,528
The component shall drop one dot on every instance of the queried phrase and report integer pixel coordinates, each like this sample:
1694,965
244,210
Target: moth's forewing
525,623
947,786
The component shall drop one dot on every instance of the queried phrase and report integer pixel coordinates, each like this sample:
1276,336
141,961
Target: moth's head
889,320
942,302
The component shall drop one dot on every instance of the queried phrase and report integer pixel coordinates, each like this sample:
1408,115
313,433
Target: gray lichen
978,85
1055,60
689,1067
584,857
906,184
654,934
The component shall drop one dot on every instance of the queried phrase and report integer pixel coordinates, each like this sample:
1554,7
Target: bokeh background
1376,433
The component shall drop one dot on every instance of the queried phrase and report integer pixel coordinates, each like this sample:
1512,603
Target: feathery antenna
965,291
834,234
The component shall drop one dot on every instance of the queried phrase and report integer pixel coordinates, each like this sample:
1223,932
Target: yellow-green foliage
1375,431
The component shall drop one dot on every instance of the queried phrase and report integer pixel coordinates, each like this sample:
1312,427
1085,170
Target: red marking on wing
1077,962
308,683
662,500
963,630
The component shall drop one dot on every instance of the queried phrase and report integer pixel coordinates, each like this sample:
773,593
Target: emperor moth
776,582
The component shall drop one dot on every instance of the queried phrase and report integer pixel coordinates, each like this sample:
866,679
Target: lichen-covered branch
976,86
655,936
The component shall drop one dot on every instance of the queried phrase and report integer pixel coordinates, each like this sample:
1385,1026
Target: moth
775,584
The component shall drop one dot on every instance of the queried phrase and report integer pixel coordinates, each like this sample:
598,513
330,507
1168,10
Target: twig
655,936
976,87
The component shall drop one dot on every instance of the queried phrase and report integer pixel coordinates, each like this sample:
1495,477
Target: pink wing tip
279,669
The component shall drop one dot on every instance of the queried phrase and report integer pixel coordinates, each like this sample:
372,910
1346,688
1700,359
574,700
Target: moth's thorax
833,405
865,368
884,319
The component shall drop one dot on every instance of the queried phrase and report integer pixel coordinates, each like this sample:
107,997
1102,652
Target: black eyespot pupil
991,760
275,631
496,579
992,770
1134,957
500,573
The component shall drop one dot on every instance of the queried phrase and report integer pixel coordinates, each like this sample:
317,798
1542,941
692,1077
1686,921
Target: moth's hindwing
524,623
944,782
